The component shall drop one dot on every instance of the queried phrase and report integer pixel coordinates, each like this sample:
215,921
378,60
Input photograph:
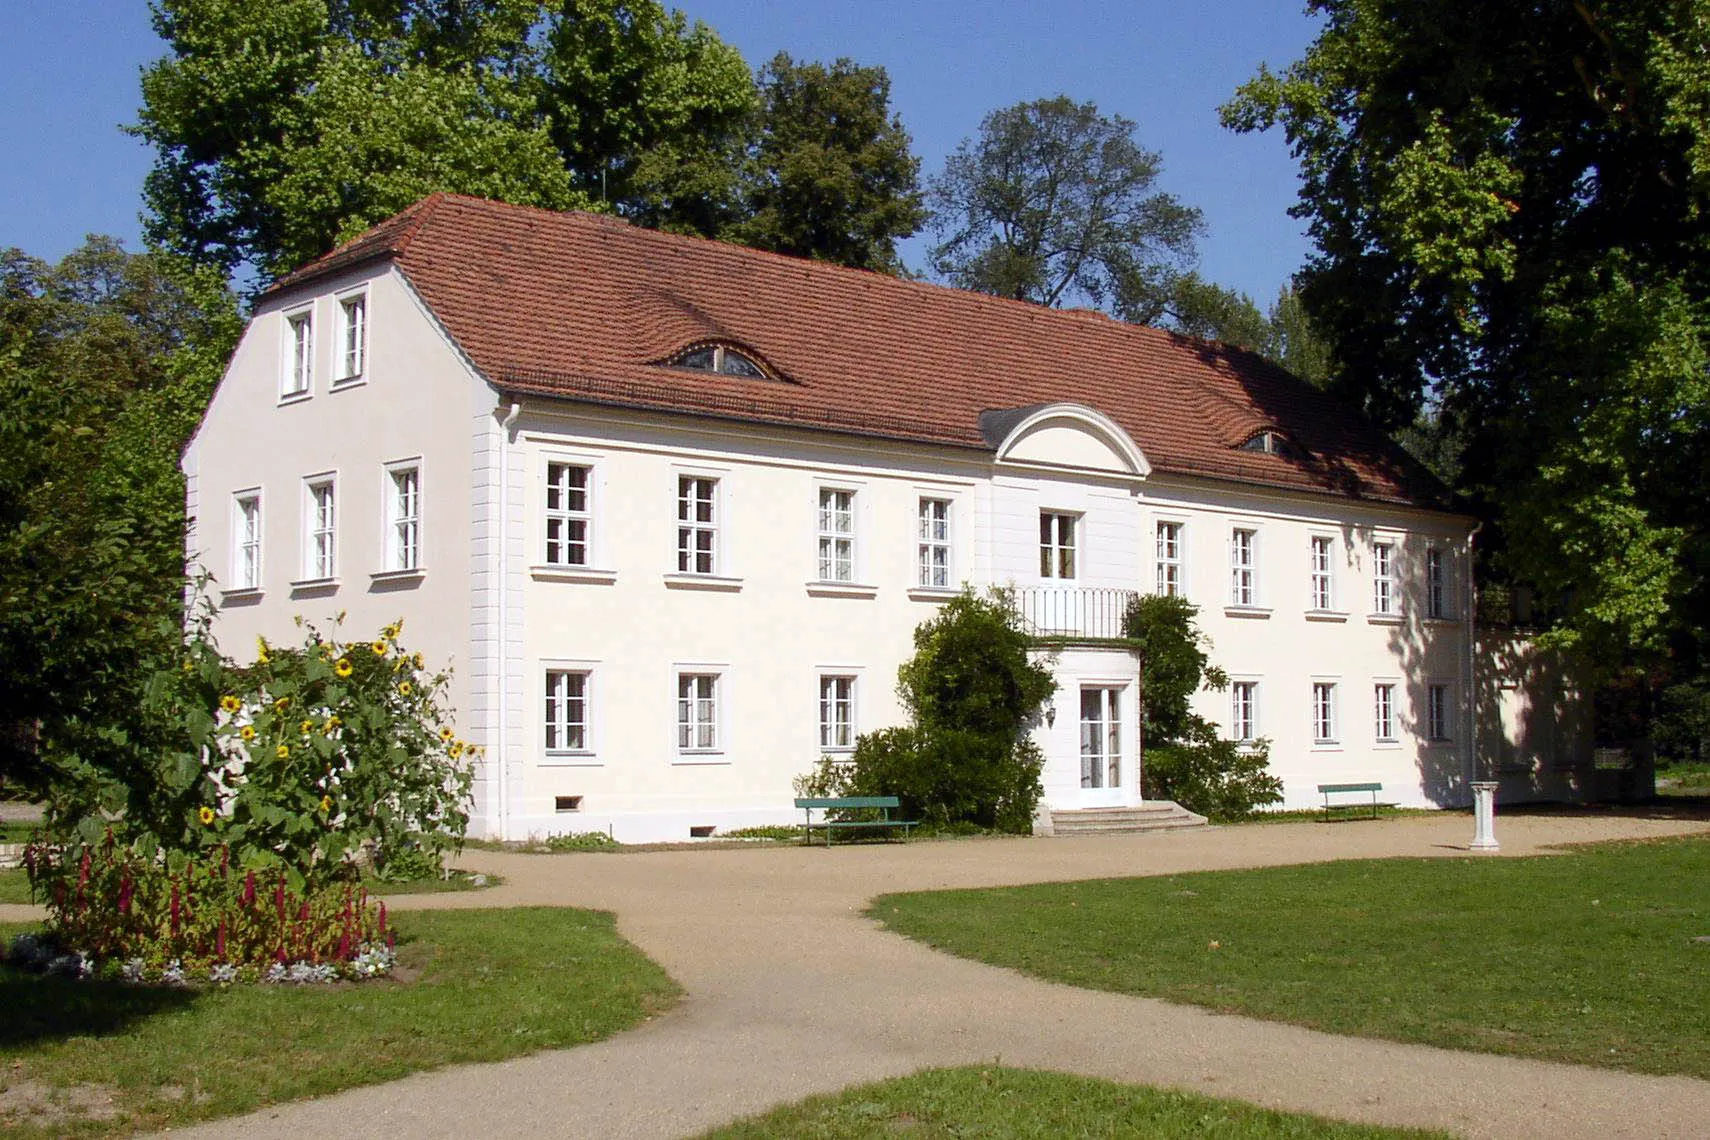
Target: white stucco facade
660,686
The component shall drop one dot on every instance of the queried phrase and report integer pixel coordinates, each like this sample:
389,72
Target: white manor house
671,511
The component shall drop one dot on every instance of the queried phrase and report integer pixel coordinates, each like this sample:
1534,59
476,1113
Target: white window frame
1439,713
403,531
320,528
1110,734
558,703
297,354
1384,712
837,526
934,556
352,339
1321,562
567,517
1437,584
704,723
1324,722
838,693
689,530
1059,543
247,534
1170,539
1383,578
1244,566
1244,710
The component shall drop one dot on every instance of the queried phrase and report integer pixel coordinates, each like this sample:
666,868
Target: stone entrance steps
1153,815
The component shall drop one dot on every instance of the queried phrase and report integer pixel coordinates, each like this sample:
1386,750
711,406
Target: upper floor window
697,524
1244,711
1056,545
1169,558
567,514
836,535
1383,578
718,358
1383,711
320,549
1437,712
352,336
1323,554
1243,567
1323,712
566,711
836,713
1436,584
299,354
934,543
404,517
246,540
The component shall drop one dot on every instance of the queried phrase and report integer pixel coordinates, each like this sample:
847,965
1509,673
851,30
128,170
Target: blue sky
68,80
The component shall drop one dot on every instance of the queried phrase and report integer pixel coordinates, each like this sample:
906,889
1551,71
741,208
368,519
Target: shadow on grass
41,1009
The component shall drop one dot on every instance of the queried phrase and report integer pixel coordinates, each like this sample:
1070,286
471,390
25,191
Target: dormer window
718,358
1271,442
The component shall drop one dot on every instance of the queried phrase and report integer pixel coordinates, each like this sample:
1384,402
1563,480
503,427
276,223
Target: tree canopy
1508,207
1056,203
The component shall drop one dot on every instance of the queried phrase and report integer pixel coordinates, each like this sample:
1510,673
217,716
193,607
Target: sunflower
456,749
391,632
342,667
261,657
446,734
326,804
379,648
332,724
206,815
420,661
228,703
404,688
283,752
306,727
247,732
281,704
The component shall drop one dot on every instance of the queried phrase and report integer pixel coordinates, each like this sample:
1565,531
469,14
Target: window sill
1386,745
571,760
702,582
1247,611
1385,619
1326,615
1442,620
584,574
242,595
398,577
296,397
700,759
1326,746
356,381
931,593
841,590
1439,743
314,586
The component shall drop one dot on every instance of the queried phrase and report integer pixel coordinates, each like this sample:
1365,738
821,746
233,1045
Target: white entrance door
1102,767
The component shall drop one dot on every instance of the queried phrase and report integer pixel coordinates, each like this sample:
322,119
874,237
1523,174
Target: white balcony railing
1073,611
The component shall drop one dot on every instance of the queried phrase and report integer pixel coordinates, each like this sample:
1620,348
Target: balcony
1072,613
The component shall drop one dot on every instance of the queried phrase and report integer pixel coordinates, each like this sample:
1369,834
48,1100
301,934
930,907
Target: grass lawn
92,1059
997,1103
1588,957
17,831
15,886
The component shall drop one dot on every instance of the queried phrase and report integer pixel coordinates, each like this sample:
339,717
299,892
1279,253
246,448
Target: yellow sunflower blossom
326,804
420,661
391,632
283,752
247,732
404,688
189,666
306,727
261,657
379,648
206,815
229,703
281,704
342,667
456,749
446,734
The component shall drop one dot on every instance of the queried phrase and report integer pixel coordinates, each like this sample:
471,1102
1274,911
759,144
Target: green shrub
1216,778
582,841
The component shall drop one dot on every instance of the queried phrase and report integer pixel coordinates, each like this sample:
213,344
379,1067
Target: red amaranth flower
83,871
248,888
125,889
220,941
175,908
279,897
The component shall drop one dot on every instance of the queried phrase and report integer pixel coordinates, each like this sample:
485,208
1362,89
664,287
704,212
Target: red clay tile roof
584,307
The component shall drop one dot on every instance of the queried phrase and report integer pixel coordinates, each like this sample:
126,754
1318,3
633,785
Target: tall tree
1293,342
831,176
1055,203
1197,307
1510,205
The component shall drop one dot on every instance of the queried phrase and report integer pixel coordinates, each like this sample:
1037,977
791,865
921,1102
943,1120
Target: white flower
132,970
174,973
223,973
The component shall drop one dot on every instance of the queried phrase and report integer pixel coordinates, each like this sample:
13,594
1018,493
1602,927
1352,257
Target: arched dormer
723,358
1270,441
1063,437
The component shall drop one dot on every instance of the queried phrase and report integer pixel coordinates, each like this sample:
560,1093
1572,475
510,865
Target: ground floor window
1437,712
1101,737
1323,712
1383,711
566,711
836,713
697,712
1244,710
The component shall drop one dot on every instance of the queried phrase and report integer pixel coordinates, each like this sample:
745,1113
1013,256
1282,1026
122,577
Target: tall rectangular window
697,525
353,336
836,713
299,354
567,514
1436,584
246,541
697,712
1169,558
1437,712
1101,738
836,535
1323,712
1383,711
404,519
320,550
566,711
934,540
1323,582
1383,578
1243,567
1056,545
1244,711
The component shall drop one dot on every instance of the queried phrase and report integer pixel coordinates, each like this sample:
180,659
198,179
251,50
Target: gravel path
790,992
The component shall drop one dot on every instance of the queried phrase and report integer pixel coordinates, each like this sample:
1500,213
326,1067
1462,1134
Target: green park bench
884,805
1328,790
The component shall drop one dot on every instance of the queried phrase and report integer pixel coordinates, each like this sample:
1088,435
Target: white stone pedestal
1484,816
